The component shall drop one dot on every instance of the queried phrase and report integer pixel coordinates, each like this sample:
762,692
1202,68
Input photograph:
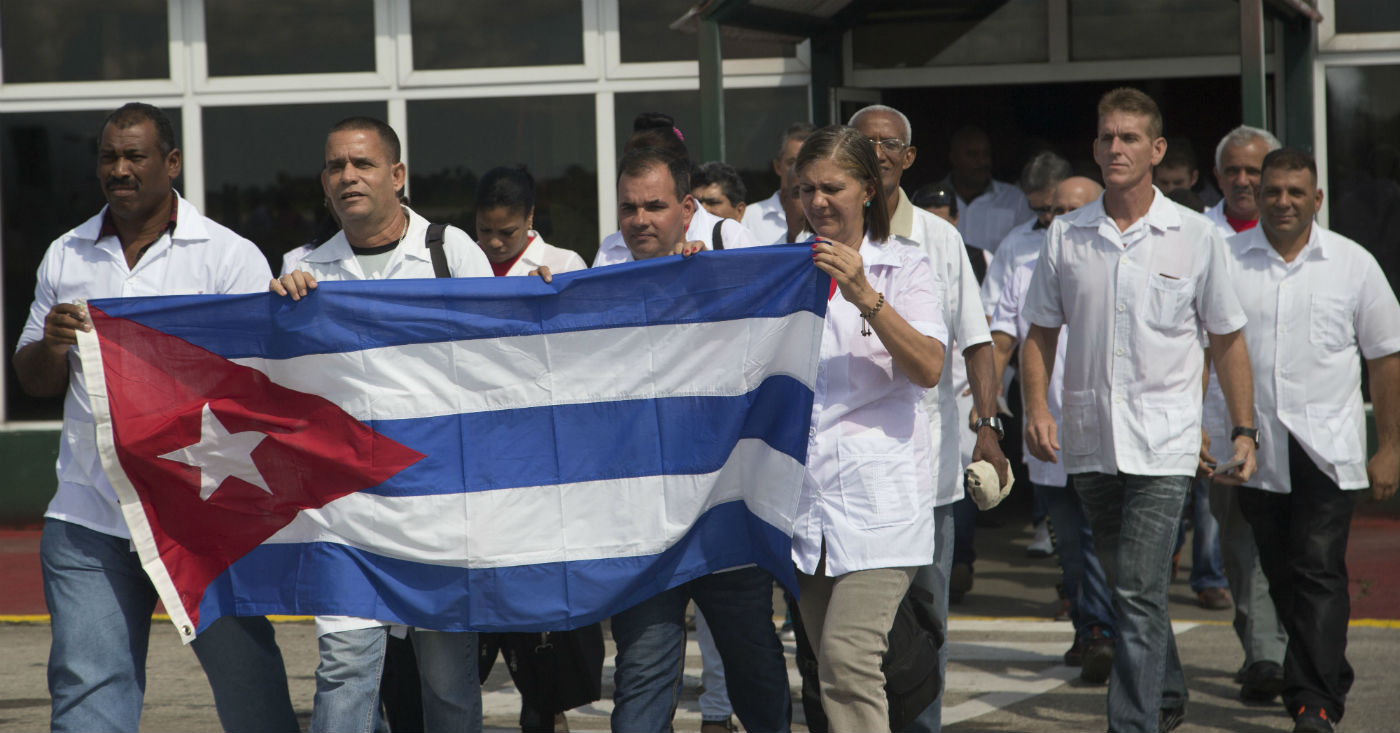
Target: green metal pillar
1299,52
1254,109
711,93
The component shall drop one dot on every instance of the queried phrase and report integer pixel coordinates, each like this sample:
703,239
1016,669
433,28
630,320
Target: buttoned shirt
1021,245
614,250
868,488
1009,317
985,221
336,260
767,220
1135,302
196,256
1310,323
963,319
539,253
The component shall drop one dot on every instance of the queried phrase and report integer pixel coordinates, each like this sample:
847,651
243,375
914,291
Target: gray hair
1244,135
1043,171
908,129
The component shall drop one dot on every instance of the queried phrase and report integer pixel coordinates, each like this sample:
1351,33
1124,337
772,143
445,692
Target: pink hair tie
677,130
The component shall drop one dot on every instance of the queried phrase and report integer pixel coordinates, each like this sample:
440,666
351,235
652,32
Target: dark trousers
1302,538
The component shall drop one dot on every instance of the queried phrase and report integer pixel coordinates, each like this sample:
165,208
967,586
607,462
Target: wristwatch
992,422
1250,433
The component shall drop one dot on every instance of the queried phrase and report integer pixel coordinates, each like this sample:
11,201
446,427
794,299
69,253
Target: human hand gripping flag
491,454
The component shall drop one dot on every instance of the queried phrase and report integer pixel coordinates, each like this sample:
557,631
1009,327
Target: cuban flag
489,454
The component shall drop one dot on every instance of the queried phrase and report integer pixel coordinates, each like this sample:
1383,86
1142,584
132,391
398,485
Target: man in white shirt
1237,159
146,241
1317,304
768,219
1041,174
989,208
654,208
383,239
1136,278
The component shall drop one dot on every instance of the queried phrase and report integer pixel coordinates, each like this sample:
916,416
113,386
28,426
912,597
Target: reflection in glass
754,119
1363,159
49,185
449,34
644,27
84,40
262,169
914,33
254,37
1367,16
1111,29
454,141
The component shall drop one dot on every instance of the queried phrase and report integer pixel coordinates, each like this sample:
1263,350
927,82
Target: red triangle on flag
157,388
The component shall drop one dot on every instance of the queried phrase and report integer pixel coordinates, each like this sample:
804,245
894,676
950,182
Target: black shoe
1310,719
1098,657
1075,656
1168,719
1263,682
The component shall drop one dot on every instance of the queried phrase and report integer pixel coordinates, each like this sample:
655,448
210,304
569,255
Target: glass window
914,34
1366,16
84,40
49,185
262,170
254,37
1111,29
449,34
455,141
646,35
754,119
1363,159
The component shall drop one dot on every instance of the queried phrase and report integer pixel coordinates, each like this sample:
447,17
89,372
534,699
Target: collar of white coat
1161,215
189,223
1256,239
533,254
414,244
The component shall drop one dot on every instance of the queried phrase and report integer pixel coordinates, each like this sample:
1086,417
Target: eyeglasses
891,145
1039,210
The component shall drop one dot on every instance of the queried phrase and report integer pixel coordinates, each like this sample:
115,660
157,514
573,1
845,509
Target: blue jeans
650,640
964,531
347,680
1207,566
1090,602
1135,520
934,579
100,602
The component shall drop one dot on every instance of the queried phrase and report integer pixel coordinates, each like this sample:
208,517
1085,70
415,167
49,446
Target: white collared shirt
986,220
614,250
1021,245
1311,321
1135,302
868,490
199,256
539,253
1009,317
1216,214
335,260
767,220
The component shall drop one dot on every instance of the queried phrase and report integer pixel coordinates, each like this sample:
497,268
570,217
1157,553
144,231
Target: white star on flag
220,454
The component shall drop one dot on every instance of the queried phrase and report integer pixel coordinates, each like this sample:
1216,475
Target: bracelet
865,317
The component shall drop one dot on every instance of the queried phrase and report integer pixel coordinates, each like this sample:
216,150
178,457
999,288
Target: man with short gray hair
1041,174
1238,158
768,219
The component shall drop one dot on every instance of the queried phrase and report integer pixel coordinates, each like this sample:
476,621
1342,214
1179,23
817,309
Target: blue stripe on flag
542,446
350,316
325,578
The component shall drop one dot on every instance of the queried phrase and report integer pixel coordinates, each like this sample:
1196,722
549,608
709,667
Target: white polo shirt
198,256
1135,302
1311,321
614,250
868,489
1216,214
1009,317
539,253
335,260
1021,245
988,218
767,220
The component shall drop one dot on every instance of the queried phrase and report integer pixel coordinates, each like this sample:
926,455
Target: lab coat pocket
1079,426
1169,302
1336,435
878,488
1172,424
1330,324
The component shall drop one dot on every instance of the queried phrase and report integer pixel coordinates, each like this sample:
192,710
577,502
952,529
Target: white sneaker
1041,545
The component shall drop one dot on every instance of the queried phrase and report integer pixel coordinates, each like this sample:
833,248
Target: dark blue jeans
1207,565
1090,601
650,639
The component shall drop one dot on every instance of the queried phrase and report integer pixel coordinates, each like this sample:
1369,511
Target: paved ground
1006,673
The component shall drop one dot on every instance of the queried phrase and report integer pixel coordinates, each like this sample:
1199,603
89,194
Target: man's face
359,179
889,134
1288,200
135,177
711,196
970,158
652,221
1170,178
1238,177
783,166
1073,193
1040,204
1125,151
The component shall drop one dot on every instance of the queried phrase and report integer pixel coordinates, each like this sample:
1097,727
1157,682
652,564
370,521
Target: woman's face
503,232
833,201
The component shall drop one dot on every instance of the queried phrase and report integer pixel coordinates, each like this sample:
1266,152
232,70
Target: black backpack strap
435,250
717,236
978,259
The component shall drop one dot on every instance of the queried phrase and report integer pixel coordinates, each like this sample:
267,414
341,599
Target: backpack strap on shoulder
717,236
435,250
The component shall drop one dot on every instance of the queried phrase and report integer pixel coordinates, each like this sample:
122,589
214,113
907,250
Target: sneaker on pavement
1262,682
959,582
1098,657
1170,719
718,726
1215,599
1041,545
1311,719
1075,656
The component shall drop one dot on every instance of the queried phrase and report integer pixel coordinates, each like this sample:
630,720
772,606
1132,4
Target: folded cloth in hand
984,486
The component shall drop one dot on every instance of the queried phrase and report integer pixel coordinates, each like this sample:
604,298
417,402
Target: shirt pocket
83,463
878,486
1169,303
1172,424
1330,324
1335,435
1079,425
